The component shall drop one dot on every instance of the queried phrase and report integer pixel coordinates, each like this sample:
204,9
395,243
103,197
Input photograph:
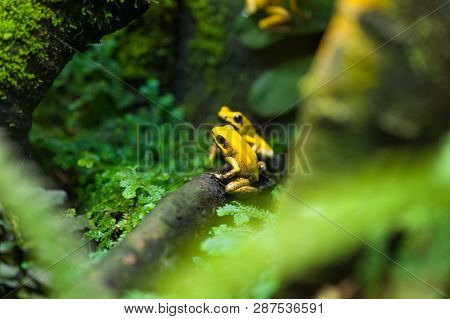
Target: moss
102,16
147,48
23,36
20,38
207,46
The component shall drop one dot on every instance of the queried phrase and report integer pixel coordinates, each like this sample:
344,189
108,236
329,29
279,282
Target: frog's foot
220,177
262,166
240,186
277,15
245,190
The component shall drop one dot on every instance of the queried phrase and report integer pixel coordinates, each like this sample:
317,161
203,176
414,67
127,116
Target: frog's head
224,136
237,119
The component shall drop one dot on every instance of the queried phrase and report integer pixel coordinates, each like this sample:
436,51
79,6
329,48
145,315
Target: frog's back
247,158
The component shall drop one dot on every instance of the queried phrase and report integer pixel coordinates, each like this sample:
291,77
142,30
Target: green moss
147,48
23,38
20,39
207,46
100,15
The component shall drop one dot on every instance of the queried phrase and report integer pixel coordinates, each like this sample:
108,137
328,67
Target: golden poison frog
242,124
241,157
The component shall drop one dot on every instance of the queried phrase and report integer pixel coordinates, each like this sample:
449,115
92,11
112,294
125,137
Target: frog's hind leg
236,184
240,186
245,190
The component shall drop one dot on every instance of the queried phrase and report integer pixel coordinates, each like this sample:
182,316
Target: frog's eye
220,139
238,118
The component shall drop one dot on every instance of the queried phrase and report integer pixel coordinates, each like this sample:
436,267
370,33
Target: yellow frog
242,124
241,157
276,11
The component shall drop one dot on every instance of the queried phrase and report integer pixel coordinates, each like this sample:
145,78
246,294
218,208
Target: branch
179,214
176,215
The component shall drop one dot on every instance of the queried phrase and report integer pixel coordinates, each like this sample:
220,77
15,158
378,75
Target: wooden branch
177,214
180,213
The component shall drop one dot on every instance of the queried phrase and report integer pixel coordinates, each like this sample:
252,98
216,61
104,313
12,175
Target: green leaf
276,91
241,219
130,191
318,14
6,247
8,271
88,160
254,38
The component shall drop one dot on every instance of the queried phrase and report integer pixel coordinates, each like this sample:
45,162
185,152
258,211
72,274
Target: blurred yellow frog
277,13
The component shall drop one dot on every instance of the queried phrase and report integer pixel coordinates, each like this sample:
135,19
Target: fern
94,145
225,238
243,213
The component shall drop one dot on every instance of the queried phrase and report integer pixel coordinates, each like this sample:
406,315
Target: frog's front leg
234,168
250,140
240,186
262,166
